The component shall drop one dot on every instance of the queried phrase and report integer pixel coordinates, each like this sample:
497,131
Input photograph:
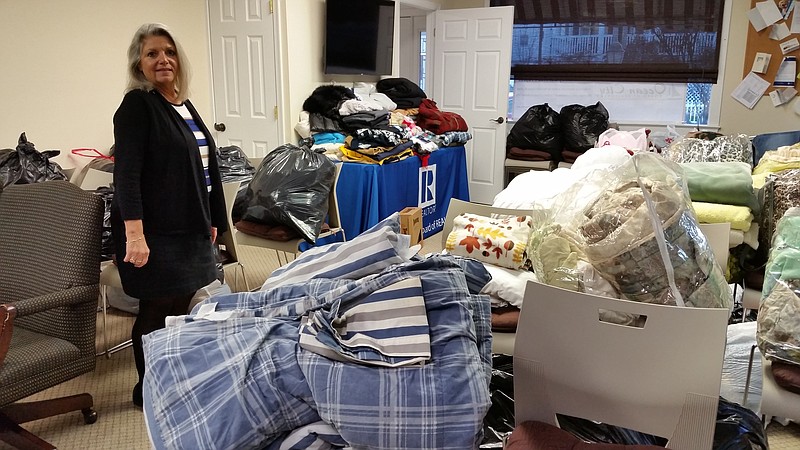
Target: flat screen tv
359,35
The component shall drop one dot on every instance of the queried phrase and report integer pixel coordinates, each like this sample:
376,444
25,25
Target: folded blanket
729,183
505,319
783,158
740,217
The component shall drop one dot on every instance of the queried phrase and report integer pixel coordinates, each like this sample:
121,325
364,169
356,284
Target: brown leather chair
50,239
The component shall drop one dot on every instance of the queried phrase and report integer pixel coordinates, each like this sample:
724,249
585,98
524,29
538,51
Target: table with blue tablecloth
368,193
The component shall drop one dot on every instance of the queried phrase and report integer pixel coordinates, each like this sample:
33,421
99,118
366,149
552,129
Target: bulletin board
761,42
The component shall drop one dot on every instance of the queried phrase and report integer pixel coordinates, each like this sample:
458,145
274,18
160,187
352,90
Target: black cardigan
158,172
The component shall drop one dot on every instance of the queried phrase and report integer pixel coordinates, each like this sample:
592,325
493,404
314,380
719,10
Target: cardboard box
411,223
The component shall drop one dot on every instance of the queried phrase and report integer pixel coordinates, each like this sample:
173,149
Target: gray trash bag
290,187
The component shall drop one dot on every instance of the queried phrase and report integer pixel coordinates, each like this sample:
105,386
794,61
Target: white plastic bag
633,141
117,298
663,138
215,288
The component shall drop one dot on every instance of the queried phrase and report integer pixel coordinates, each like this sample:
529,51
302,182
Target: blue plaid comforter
242,381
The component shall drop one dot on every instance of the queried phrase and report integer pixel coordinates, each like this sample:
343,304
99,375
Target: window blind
616,40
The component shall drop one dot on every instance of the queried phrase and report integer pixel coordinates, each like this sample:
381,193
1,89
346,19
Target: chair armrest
7,314
71,296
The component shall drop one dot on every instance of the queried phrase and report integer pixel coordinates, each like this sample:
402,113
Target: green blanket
729,183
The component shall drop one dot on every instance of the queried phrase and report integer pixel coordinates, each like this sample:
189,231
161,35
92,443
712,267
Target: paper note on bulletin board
759,41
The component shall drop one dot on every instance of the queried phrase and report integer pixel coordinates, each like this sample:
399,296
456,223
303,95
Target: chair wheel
89,416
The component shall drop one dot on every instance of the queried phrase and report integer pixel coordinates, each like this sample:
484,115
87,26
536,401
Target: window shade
616,40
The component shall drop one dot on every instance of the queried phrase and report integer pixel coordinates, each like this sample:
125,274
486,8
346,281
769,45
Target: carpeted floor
120,425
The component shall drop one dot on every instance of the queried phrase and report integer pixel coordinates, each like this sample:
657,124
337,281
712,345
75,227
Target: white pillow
507,284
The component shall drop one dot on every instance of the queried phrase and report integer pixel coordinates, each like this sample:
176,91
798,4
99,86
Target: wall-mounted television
359,35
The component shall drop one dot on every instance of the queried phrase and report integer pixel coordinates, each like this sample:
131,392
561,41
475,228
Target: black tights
152,313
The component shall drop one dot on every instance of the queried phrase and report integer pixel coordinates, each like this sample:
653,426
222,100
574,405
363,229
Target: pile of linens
372,123
618,225
722,192
723,189
635,237
359,344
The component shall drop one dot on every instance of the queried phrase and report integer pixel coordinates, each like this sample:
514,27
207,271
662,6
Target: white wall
63,65
734,117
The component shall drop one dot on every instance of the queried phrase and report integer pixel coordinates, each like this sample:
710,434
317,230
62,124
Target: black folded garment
404,92
366,119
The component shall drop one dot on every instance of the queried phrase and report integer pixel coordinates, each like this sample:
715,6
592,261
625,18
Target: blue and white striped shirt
202,141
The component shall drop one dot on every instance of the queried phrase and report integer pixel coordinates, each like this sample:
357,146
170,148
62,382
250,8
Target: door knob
498,120
219,126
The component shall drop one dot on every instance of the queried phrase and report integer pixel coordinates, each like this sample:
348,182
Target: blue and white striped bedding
245,382
388,327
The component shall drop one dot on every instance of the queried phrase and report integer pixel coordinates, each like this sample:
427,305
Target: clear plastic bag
629,232
290,187
778,333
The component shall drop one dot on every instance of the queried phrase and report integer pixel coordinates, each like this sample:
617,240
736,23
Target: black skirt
179,264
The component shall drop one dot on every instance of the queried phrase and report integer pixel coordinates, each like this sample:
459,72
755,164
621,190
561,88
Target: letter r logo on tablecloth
427,186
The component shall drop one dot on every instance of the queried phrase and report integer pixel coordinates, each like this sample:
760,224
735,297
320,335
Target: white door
471,69
244,74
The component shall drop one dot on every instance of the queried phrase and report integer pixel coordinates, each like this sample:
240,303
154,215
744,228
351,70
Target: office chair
50,239
109,275
662,379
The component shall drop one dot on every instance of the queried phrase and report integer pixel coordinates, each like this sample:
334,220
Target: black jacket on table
158,172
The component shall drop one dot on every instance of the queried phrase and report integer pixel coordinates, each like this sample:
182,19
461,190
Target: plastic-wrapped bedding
778,334
638,239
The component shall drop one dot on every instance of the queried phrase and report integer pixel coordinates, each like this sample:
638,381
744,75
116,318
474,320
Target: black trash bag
10,170
36,166
234,165
107,243
290,187
582,125
499,421
590,431
538,129
738,428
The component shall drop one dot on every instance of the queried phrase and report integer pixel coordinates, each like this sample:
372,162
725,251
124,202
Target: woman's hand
136,250
213,234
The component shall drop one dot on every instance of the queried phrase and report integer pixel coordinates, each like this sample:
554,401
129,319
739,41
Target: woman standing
168,204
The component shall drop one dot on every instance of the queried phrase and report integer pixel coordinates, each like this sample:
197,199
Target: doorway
414,42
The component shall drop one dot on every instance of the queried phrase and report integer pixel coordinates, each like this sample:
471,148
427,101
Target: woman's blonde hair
137,80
